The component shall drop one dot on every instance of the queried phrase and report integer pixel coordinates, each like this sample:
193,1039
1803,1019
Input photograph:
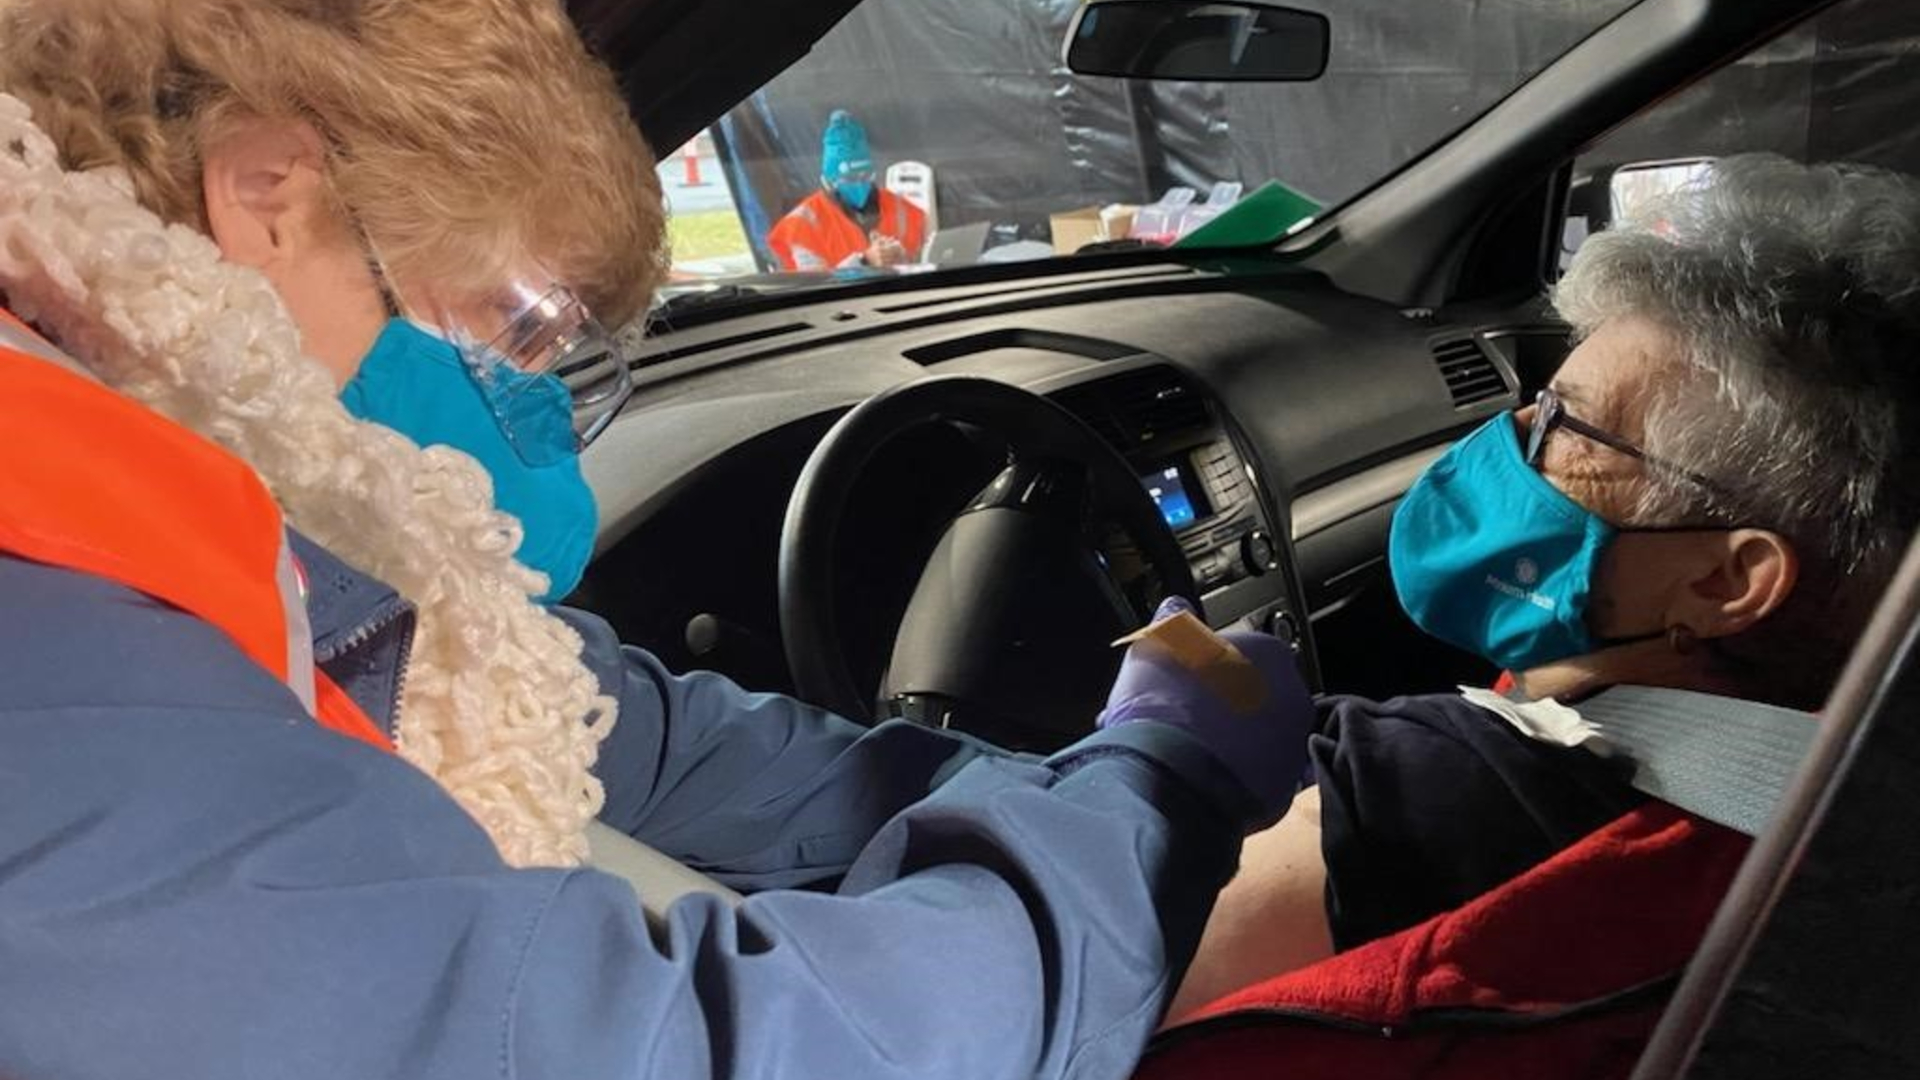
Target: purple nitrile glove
1264,747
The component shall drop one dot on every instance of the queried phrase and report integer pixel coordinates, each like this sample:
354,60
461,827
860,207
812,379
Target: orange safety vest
819,234
94,482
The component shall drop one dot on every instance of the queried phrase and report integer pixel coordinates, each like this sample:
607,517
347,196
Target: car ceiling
663,52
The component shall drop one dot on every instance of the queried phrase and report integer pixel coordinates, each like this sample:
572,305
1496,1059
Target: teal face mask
417,384
855,193
1488,556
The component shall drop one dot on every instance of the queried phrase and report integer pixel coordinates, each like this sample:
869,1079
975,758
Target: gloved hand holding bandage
1240,693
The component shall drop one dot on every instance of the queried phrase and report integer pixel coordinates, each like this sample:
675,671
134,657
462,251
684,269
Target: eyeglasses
1550,412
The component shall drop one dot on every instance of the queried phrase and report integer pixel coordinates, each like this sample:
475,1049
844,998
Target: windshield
928,134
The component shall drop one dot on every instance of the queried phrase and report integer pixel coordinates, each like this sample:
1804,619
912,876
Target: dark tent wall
1843,87
976,89
1402,77
971,87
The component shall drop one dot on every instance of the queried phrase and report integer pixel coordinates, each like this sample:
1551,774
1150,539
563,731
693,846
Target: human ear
1744,576
264,182
270,207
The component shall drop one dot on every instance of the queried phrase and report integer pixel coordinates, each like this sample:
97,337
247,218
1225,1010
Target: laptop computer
958,246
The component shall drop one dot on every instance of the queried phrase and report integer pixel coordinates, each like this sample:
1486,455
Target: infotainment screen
1169,493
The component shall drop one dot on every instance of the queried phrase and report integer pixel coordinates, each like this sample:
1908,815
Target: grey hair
1792,294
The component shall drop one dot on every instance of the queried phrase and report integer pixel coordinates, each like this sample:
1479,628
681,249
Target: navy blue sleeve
196,880
1427,802
757,790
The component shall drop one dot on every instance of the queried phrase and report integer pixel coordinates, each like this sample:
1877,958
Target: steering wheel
1008,632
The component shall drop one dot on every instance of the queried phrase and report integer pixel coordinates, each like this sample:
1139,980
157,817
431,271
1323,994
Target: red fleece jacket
1560,972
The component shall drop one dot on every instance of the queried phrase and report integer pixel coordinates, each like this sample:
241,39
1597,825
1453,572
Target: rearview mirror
1197,40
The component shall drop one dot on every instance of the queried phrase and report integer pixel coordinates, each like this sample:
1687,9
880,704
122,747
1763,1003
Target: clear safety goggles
549,371
540,359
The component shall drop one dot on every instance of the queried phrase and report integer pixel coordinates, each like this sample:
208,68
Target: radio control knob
1257,551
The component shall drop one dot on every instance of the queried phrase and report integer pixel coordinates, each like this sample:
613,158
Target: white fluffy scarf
497,705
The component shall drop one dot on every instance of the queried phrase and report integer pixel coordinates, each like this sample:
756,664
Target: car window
1842,86
970,113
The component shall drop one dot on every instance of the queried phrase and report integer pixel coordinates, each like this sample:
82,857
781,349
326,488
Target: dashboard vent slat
1471,374
1137,409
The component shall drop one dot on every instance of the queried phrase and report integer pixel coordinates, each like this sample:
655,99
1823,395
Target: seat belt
1719,758
657,879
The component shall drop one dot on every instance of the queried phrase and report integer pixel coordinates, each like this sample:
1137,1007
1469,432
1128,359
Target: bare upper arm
1271,918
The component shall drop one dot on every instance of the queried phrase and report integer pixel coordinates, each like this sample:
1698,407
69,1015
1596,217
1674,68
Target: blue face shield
1488,556
417,384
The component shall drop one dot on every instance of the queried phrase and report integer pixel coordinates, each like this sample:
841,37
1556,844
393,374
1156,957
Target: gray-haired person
1709,498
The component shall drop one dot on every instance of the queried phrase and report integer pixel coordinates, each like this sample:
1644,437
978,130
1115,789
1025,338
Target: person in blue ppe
1710,497
850,221
313,800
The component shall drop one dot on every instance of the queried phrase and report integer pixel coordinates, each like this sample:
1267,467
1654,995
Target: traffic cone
690,159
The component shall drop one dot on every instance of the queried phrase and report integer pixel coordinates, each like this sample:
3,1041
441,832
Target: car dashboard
1275,420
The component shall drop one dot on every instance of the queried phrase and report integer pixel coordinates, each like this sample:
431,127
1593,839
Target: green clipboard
1261,218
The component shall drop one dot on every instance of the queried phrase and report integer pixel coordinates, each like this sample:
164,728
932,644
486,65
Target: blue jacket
196,880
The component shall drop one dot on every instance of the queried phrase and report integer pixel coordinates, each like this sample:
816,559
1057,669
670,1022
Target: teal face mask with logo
417,384
1488,556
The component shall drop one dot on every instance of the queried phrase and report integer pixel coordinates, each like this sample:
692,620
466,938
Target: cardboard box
1075,229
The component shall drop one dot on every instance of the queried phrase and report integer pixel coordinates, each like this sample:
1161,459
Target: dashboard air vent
1469,369
1137,409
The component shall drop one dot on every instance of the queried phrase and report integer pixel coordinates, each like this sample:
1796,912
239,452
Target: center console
1187,455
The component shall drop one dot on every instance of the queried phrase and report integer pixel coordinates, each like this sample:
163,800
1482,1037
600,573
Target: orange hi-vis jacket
820,235
93,482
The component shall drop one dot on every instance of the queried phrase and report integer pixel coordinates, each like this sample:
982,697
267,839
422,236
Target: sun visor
681,65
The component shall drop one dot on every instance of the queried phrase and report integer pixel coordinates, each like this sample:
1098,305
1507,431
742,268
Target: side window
1843,86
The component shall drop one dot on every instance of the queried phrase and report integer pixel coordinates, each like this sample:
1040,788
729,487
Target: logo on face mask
1526,574
1520,591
